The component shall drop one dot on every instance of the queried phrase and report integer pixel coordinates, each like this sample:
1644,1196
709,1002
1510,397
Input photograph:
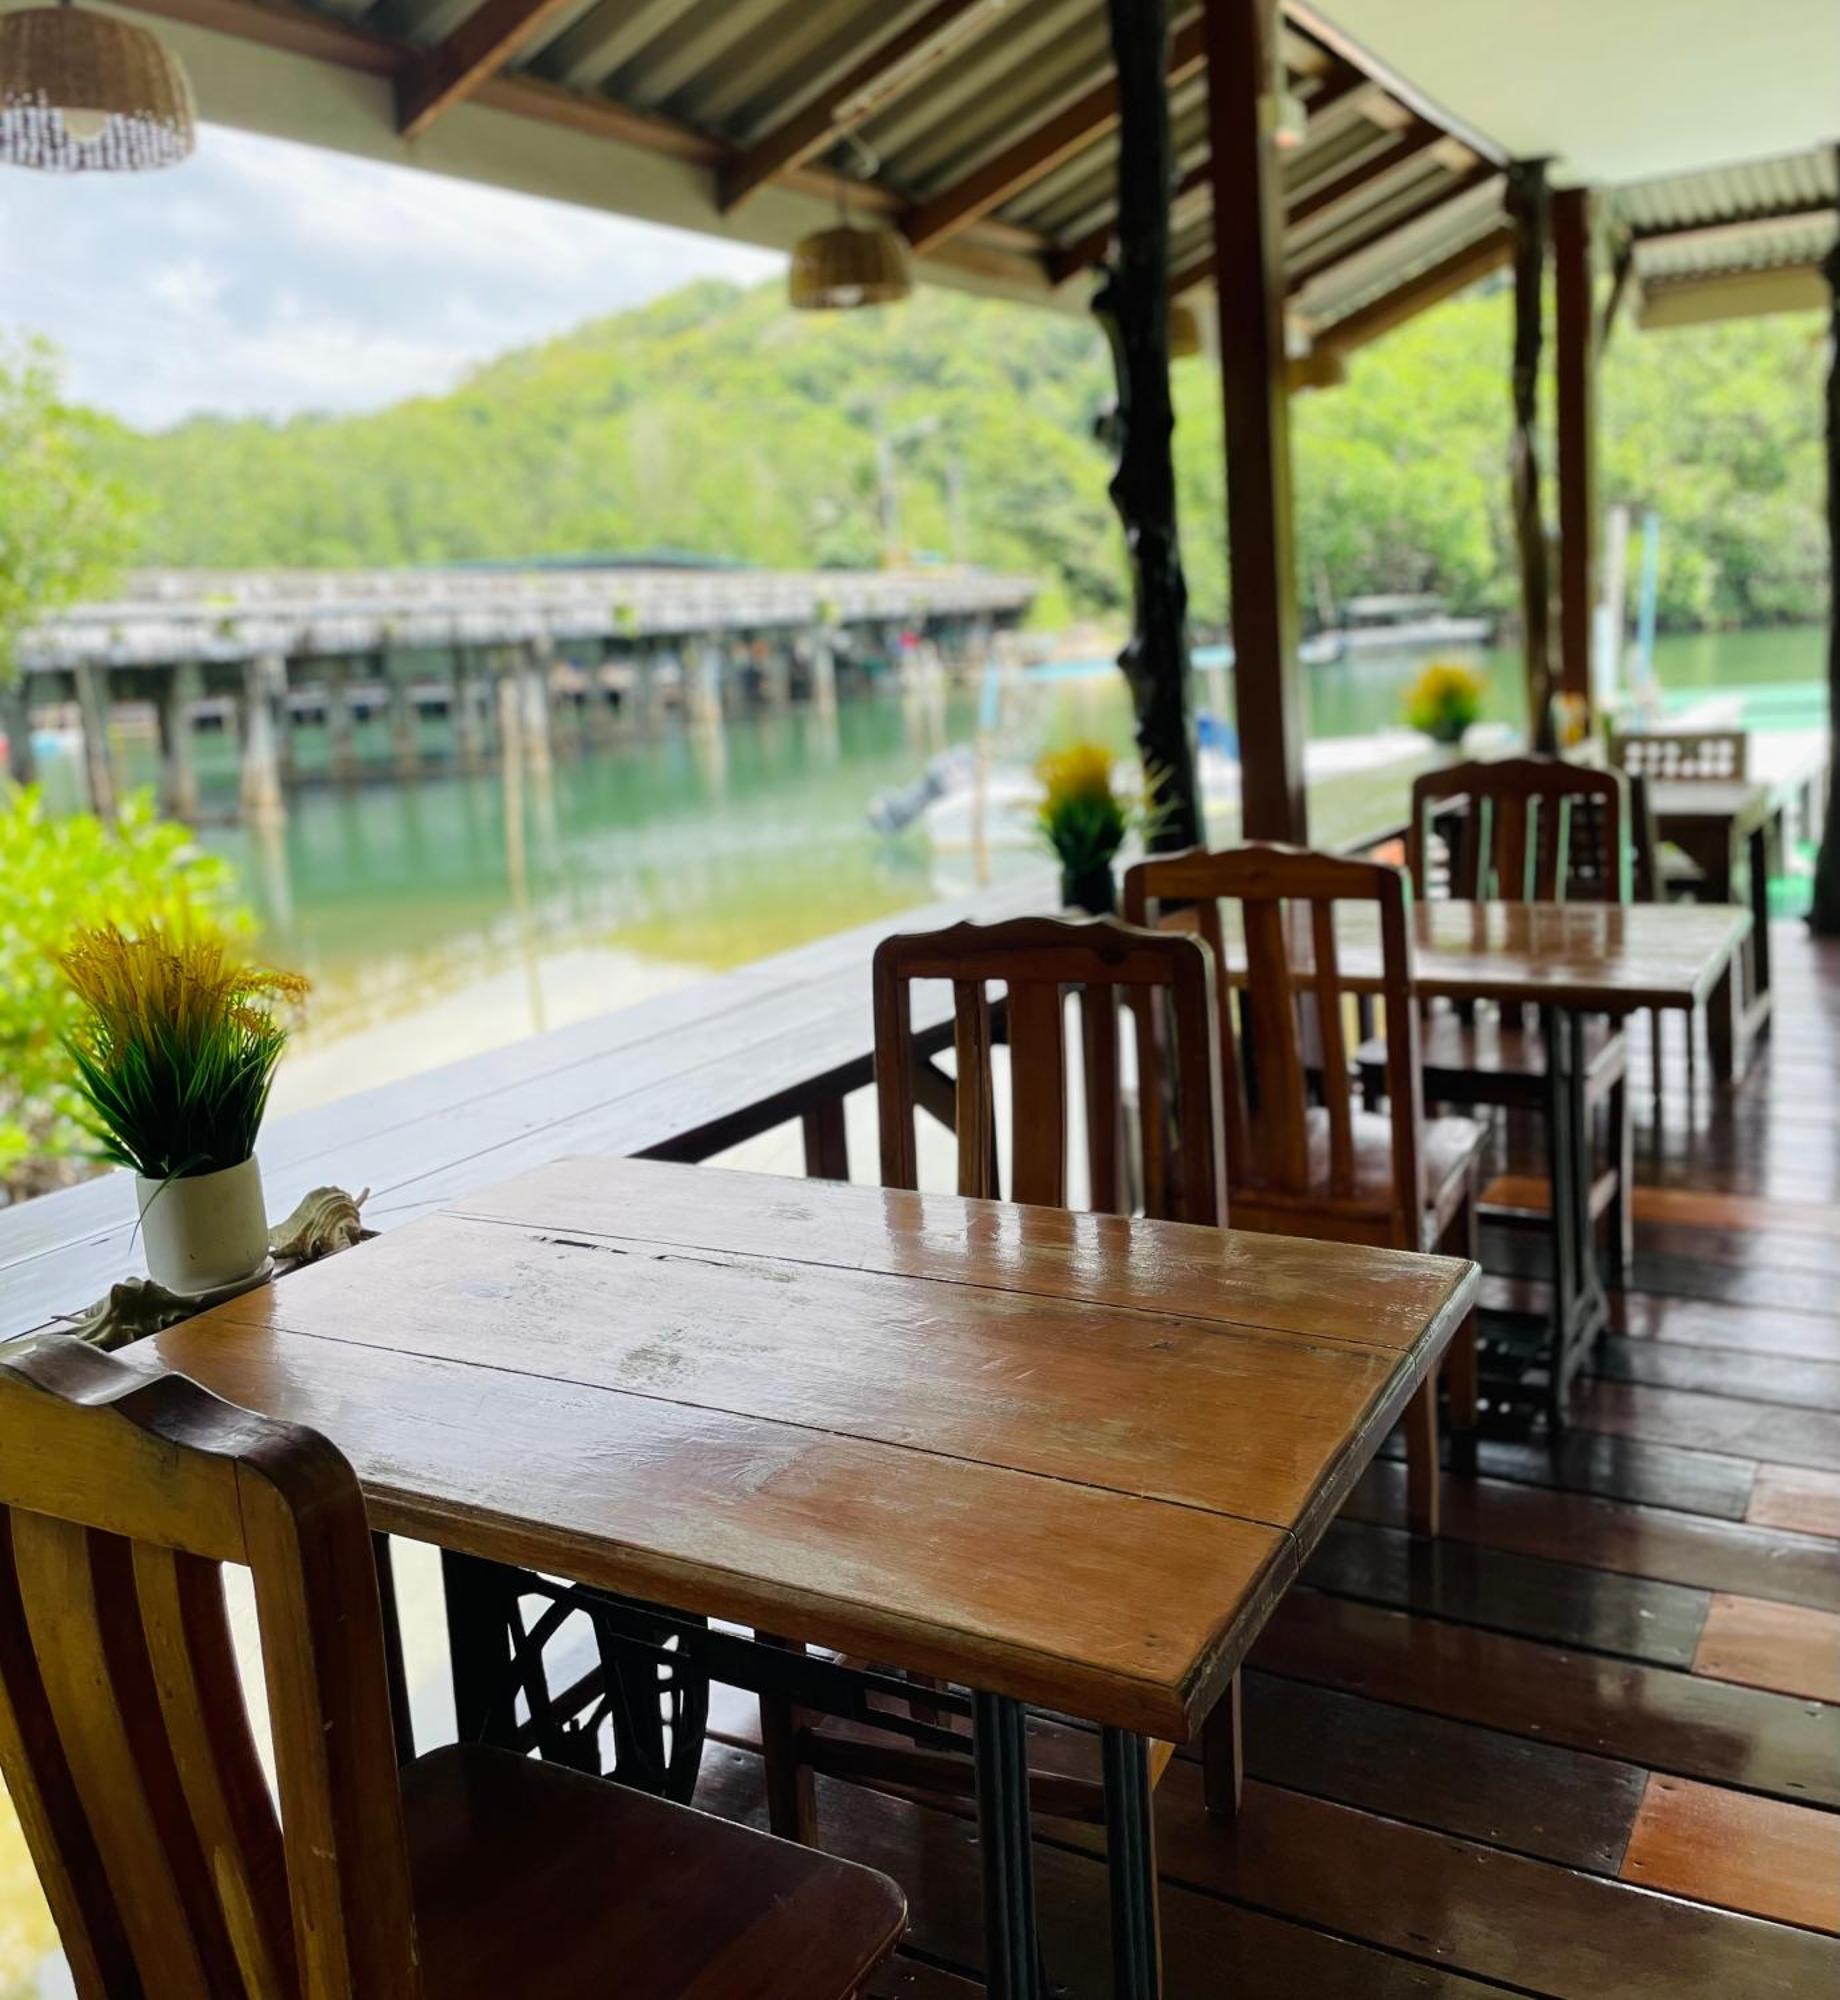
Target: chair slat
201,1698
977,1124
1337,1084
1107,1190
1274,1059
1235,1117
1038,1094
109,1729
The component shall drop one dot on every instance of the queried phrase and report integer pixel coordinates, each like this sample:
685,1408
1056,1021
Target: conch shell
324,1221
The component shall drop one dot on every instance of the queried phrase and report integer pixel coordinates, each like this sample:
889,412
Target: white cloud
267,278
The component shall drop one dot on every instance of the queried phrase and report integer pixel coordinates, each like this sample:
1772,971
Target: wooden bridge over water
506,660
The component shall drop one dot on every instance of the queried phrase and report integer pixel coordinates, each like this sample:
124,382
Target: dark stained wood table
1053,1458
1570,961
1720,824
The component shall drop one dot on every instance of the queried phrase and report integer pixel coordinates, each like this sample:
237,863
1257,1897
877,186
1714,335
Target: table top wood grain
1601,957
1070,1458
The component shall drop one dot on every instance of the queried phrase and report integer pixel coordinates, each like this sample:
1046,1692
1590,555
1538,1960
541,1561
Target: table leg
827,1143
1130,1852
1764,842
1000,1747
1561,1170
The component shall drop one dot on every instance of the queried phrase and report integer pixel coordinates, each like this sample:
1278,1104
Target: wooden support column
1242,57
1528,206
1824,915
467,721
1133,306
536,717
263,804
1575,342
16,721
178,766
98,767
341,725
405,735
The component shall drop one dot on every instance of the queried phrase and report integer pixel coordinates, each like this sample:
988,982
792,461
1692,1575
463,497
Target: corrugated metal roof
734,71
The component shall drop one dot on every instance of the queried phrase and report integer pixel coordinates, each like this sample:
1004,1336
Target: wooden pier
505,662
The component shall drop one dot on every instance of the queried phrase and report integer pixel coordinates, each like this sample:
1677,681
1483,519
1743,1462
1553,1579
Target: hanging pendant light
845,266
83,92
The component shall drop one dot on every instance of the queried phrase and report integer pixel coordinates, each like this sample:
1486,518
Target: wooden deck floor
1589,1745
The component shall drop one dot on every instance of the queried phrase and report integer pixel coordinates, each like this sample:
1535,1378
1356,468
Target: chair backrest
1712,754
1521,830
1166,984
1284,968
124,1736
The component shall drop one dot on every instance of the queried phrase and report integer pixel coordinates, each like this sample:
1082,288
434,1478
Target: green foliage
65,521
57,876
175,1046
718,421
1444,700
1081,815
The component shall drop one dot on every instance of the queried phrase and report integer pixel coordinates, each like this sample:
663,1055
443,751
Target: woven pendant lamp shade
83,92
844,266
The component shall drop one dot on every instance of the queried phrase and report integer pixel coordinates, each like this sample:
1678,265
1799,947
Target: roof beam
1307,19
1085,251
889,66
1424,289
1378,231
435,78
1071,130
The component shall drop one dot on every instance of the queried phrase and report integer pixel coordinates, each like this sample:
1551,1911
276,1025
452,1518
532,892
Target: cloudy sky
262,277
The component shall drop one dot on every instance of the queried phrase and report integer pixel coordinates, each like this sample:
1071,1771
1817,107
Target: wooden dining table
1042,1457
1570,962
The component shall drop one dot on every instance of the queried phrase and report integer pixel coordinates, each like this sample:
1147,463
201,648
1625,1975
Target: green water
640,864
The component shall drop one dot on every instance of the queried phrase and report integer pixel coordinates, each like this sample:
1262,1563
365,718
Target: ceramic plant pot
204,1231
1093,890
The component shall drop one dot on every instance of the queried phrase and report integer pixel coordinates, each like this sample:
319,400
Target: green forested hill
718,421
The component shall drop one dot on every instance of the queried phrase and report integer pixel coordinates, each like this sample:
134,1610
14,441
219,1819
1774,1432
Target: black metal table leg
1012,1960
1561,1170
1130,1852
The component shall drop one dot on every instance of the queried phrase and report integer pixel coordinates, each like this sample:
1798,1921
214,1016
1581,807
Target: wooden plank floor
1589,1745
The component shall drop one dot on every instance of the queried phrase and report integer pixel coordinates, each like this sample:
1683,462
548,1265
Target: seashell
323,1221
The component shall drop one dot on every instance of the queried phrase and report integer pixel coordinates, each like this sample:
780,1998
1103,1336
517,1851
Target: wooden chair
1166,986
1297,1167
471,1875
1709,756
1164,983
1523,829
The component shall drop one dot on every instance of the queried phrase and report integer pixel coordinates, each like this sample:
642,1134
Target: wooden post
262,799
178,767
16,720
467,722
536,716
1528,204
98,766
341,725
1132,304
1824,914
405,743
1243,60
1575,371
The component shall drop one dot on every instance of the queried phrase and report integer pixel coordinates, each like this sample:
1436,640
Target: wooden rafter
1307,19
1071,130
433,79
324,38
1424,289
1453,190
1091,248
822,122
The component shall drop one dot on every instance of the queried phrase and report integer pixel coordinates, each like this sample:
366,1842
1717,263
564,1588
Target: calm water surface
446,916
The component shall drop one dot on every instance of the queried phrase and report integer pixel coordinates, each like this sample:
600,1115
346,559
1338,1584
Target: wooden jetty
509,659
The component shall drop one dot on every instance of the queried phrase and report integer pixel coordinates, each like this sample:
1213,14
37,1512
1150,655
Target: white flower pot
204,1231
